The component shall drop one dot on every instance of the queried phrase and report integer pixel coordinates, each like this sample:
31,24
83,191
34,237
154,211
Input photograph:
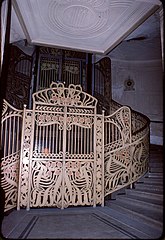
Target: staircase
139,210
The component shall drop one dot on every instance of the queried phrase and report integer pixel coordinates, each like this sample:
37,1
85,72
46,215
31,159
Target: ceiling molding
95,26
131,20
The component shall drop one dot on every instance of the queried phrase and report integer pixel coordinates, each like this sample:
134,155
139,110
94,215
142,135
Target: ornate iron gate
62,150
63,154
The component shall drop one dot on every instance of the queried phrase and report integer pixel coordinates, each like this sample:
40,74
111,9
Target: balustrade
63,153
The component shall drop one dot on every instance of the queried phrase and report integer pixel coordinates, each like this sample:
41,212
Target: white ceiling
96,26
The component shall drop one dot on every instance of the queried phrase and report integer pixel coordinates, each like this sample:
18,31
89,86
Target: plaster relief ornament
76,18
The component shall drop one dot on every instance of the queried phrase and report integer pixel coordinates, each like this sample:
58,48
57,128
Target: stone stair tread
151,181
143,204
147,186
157,179
155,175
154,213
145,198
156,170
150,190
131,224
151,195
140,202
149,176
138,216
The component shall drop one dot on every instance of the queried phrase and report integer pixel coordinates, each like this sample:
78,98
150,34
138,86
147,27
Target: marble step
149,187
151,180
145,196
146,199
130,223
140,217
150,190
155,175
147,209
156,169
139,203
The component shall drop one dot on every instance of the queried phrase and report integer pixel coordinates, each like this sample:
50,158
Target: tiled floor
70,223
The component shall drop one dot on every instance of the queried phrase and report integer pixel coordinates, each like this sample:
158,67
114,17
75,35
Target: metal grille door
62,152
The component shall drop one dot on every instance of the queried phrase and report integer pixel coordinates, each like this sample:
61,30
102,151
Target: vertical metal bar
64,156
13,148
75,140
81,139
102,158
116,132
69,140
40,138
60,69
18,134
94,163
46,137
60,139
81,73
9,140
50,138
131,147
105,133
21,158
36,139
91,139
111,132
5,138
30,159
93,73
56,131
78,140
43,138
85,141
88,141
68,76
53,137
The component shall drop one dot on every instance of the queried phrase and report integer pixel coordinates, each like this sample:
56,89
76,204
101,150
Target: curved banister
144,120
126,164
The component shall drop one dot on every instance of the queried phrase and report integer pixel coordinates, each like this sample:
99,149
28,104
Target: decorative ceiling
96,26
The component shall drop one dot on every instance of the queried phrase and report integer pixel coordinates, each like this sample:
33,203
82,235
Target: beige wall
147,93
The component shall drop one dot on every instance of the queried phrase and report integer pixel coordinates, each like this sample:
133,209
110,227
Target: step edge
151,220
155,207
124,226
134,227
126,198
144,192
145,198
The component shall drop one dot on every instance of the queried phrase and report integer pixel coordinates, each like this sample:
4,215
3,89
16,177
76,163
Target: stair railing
126,149
127,162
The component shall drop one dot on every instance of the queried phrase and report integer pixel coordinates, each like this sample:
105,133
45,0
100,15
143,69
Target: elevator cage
63,153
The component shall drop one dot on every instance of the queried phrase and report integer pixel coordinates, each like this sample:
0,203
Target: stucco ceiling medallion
78,18
96,26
